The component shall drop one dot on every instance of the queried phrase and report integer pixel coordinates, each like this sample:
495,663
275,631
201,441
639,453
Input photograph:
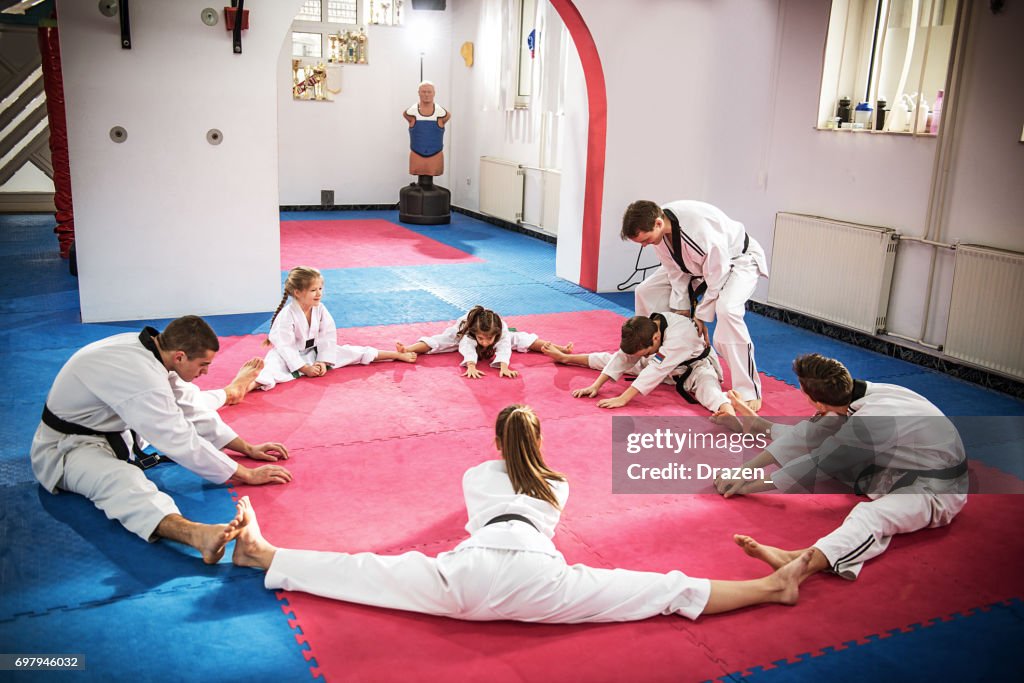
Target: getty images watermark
866,455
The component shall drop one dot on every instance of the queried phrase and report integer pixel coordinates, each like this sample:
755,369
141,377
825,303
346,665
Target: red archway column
53,85
593,194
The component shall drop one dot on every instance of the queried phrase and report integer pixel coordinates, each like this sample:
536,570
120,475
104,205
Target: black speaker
428,4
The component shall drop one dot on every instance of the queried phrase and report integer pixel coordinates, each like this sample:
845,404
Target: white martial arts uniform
712,247
508,342
910,434
297,343
680,342
114,385
508,570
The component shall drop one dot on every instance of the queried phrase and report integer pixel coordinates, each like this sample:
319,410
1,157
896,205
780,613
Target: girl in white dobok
508,568
304,338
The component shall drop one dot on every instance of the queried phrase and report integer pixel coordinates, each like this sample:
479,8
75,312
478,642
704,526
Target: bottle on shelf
843,111
880,114
933,127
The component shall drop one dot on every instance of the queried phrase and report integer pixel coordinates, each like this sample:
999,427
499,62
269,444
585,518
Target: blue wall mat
507,300
29,380
98,559
388,308
458,274
216,631
956,397
367,281
387,215
983,646
30,300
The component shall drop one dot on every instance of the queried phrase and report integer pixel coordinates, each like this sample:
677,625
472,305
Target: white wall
358,145
167,224
484,130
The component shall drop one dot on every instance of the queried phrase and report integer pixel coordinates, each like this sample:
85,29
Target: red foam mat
361,244
378,455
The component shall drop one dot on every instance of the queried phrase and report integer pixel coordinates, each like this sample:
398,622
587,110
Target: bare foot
251,549
244,381
740,406
567,348
400,347
555,353
730,422
789,577
406,357
211,539
754,404
776,558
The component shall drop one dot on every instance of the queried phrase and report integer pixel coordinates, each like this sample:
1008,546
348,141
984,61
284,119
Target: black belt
681,379
142,459
511,517
910,476
746,243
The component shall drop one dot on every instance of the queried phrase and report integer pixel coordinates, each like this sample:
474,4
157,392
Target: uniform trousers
731,338
122,491
870,526
486,584
275,371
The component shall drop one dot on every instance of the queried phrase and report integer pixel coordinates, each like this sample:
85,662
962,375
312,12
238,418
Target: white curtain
501,36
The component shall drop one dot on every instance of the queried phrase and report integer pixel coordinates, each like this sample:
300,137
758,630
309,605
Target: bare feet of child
404,356
251,549
788,578
244,381
556,353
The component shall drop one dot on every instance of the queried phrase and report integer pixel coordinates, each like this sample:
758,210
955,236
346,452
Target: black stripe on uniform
849,557
691,242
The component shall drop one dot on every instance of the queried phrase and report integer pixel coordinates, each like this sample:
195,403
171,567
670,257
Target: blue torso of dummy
426,136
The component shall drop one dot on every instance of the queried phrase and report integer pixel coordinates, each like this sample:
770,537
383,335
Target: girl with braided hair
508,568
481,335
304,338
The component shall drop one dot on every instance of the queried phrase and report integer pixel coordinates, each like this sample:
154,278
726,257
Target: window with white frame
527,32
316,20
886,65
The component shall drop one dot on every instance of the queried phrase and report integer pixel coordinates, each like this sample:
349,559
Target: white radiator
540,198
501,189
520,194
833,270
985,325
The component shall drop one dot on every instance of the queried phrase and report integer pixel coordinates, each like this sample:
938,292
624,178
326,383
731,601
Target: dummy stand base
424,203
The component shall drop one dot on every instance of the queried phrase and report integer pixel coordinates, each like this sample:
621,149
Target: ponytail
518,432
284,298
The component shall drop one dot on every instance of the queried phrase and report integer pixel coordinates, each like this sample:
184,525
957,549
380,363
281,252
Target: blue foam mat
983,646
98,559
217,631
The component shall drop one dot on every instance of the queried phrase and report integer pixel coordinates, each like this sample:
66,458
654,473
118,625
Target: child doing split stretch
508,568
304,337
481,335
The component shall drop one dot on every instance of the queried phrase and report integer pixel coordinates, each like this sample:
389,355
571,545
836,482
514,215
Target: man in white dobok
118,394
709,268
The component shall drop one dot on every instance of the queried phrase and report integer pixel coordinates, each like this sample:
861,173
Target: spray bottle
922,115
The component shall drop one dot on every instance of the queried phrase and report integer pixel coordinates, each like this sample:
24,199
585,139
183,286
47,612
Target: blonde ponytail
518,432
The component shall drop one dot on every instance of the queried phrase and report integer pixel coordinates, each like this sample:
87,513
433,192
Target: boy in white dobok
708,256
886,441
662,348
